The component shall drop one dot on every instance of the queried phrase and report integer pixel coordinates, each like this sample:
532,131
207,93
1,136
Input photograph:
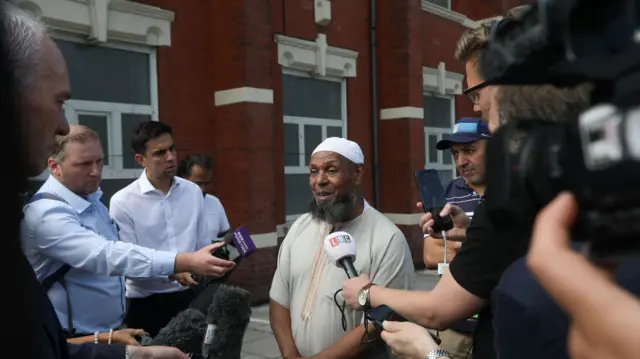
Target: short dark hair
148,131
197,159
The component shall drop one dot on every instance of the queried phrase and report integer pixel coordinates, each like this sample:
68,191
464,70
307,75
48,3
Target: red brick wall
220,45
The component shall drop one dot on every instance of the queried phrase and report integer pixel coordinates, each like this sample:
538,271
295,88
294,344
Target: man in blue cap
467,144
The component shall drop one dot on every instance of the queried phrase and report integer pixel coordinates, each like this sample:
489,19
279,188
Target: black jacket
42,336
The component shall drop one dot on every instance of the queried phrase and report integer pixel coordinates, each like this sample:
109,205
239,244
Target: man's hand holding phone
203,262
459,218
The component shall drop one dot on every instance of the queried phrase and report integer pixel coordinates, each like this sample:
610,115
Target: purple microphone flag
243,242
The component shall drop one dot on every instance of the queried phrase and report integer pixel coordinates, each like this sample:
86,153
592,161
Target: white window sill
448,14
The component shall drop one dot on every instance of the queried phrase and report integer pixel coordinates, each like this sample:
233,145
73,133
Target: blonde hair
472,41
77,133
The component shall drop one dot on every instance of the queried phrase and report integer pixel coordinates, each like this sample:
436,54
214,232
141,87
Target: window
114,89
314,109
439,118
444,3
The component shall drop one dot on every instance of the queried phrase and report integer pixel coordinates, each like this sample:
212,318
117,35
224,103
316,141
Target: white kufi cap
346,148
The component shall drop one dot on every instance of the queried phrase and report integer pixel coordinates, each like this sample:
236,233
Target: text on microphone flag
243,241
340,238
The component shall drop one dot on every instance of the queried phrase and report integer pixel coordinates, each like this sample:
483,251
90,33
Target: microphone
341,250
227,320
185,332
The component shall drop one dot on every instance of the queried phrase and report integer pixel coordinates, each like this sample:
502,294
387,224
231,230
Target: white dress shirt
174,222
81,234
217,221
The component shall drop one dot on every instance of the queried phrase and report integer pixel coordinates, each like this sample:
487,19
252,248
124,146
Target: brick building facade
257,84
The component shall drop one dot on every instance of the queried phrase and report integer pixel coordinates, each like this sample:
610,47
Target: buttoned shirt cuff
164,263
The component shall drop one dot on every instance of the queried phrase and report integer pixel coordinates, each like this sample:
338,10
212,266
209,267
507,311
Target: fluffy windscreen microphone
227,318
185,332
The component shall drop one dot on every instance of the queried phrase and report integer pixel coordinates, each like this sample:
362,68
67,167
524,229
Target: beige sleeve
393,265
280,291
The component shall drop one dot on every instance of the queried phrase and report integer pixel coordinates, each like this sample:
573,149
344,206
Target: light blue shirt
82,234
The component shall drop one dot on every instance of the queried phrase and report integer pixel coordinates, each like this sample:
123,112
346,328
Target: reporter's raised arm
446,304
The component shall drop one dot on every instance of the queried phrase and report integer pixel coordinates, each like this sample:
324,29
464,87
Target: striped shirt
461,195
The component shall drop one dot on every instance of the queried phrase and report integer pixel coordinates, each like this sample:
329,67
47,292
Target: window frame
439,131
323,122
113,110
448,7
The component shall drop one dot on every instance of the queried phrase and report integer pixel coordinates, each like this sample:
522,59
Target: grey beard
336,212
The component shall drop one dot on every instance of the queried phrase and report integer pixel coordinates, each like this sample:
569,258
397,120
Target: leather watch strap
366,289
368,286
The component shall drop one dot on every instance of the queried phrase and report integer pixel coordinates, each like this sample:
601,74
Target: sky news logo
339,239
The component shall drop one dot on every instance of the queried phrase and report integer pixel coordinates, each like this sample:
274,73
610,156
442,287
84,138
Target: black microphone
341,250
185,332
227,320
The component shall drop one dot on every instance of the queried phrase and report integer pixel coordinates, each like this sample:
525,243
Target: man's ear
53,166
140,160
359,172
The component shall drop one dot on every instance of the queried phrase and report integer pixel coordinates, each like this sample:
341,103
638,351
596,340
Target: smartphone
238,244
379,314
228,251
433,199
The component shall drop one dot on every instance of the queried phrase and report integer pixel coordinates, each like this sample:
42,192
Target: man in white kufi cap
304,316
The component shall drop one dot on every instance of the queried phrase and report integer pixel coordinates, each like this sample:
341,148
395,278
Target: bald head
40,74
24,38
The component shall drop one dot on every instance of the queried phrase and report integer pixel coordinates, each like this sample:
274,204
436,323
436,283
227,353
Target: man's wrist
183,263
374,292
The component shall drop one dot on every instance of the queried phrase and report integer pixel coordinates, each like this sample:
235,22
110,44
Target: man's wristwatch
438,353
363,296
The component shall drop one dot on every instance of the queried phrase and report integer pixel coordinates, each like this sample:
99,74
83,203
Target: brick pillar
246,153
401,145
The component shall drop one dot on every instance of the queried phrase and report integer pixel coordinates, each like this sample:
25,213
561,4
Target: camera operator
597,306
466,288
527,322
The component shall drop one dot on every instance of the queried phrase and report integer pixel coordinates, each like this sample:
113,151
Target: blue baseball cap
468,129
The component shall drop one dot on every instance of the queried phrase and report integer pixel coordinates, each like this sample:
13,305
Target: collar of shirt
462,184
78,203
146,186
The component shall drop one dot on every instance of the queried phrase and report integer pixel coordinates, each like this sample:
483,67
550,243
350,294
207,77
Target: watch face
362,298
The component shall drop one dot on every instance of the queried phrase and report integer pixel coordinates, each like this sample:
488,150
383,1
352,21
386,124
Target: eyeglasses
472,92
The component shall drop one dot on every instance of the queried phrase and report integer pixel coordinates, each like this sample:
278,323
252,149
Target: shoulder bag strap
58,275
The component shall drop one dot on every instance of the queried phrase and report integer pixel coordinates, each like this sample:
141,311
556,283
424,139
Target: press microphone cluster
226,322
340,247
216,335
185,332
